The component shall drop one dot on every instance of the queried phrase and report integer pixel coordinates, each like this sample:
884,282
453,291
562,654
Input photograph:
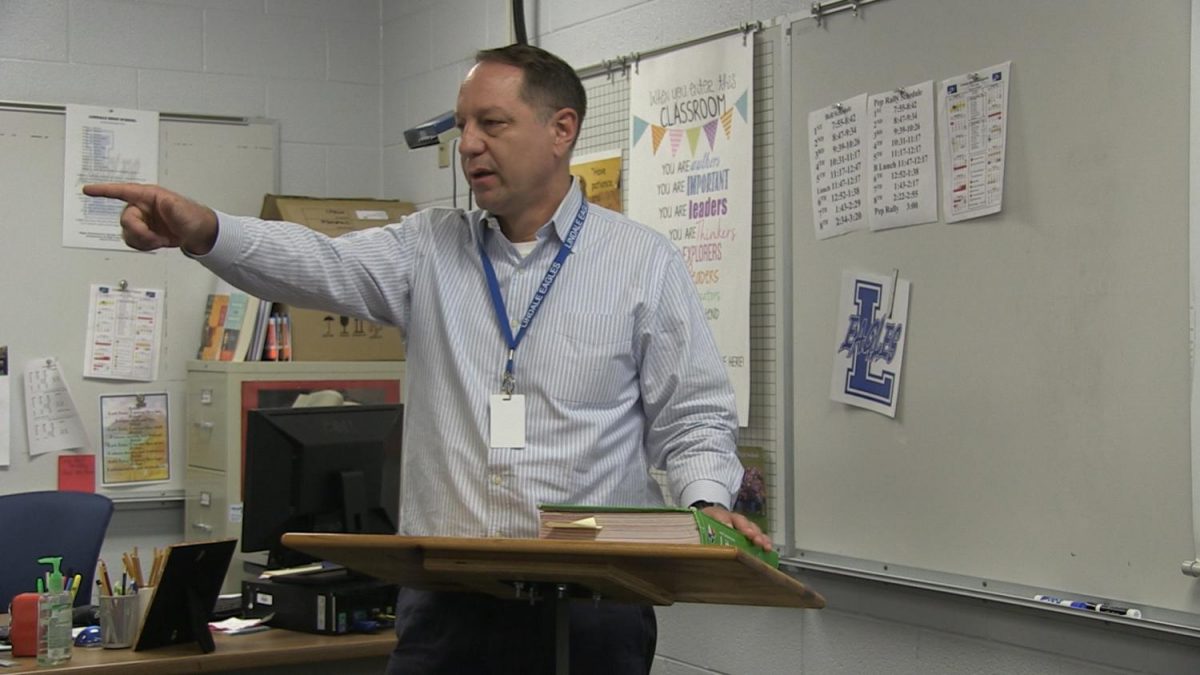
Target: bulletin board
226,163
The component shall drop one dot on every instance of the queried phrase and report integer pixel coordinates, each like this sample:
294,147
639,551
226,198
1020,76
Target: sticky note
77,473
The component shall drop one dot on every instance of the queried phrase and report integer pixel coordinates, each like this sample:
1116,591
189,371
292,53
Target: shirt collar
561,221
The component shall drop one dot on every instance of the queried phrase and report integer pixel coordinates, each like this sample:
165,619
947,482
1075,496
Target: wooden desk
275,647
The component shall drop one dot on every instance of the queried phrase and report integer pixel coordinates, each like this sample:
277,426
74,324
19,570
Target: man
556,352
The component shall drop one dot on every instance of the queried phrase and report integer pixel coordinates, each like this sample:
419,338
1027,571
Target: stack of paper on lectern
572,522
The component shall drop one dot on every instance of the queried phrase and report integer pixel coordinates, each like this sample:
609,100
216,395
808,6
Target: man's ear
565,125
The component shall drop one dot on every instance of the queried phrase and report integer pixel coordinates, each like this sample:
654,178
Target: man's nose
471,143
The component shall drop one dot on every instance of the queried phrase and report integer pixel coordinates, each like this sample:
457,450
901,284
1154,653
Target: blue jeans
453,633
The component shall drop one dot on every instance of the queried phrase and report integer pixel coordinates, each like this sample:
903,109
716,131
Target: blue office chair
38,524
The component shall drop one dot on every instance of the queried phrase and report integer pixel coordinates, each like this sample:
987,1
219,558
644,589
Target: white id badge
508,421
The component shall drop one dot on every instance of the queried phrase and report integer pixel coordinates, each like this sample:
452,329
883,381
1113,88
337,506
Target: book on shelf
213,328
241,350
235,317
258,339
234,325
640,524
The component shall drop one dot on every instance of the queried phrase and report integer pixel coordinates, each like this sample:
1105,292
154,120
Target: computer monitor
326,469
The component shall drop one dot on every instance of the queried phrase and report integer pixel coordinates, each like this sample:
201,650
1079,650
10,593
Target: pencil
137,568
155,567
104,581
162,563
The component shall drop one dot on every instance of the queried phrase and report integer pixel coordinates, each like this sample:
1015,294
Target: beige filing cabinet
218,394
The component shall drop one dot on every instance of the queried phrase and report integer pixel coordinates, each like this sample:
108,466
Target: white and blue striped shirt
619,368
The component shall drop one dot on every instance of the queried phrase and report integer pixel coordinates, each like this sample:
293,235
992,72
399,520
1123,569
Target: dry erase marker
1091,606
1108,609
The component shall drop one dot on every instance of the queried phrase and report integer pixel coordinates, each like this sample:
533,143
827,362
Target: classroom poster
836,140
871,329
104,145
690,177
973,137
133,439
903,176
599,175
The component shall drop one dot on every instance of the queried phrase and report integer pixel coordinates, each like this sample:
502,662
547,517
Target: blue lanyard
509,382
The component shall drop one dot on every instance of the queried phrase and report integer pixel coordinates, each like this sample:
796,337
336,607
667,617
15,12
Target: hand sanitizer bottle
54,618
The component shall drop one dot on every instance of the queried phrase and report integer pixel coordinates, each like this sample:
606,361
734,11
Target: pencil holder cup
120,619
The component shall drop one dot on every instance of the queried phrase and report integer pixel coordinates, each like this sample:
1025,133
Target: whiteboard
1042,437
227,163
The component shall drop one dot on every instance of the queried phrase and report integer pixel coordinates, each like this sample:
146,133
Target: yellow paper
588,523
134,439
600,177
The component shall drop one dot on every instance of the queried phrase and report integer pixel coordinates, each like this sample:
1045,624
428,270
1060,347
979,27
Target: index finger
131,193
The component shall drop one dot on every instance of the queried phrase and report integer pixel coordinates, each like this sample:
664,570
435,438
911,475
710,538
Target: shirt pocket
597,358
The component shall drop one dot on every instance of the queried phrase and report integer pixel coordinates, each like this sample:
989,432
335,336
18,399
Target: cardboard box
322,336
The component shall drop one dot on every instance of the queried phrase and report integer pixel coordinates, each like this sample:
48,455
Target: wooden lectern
561,571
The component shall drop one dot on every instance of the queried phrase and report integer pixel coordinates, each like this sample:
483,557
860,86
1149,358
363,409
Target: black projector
426,133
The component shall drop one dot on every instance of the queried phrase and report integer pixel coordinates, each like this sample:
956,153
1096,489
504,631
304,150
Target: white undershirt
525,247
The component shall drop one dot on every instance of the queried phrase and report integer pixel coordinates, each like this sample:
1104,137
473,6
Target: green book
578,522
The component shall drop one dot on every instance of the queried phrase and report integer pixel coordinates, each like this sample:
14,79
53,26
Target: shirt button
497,479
